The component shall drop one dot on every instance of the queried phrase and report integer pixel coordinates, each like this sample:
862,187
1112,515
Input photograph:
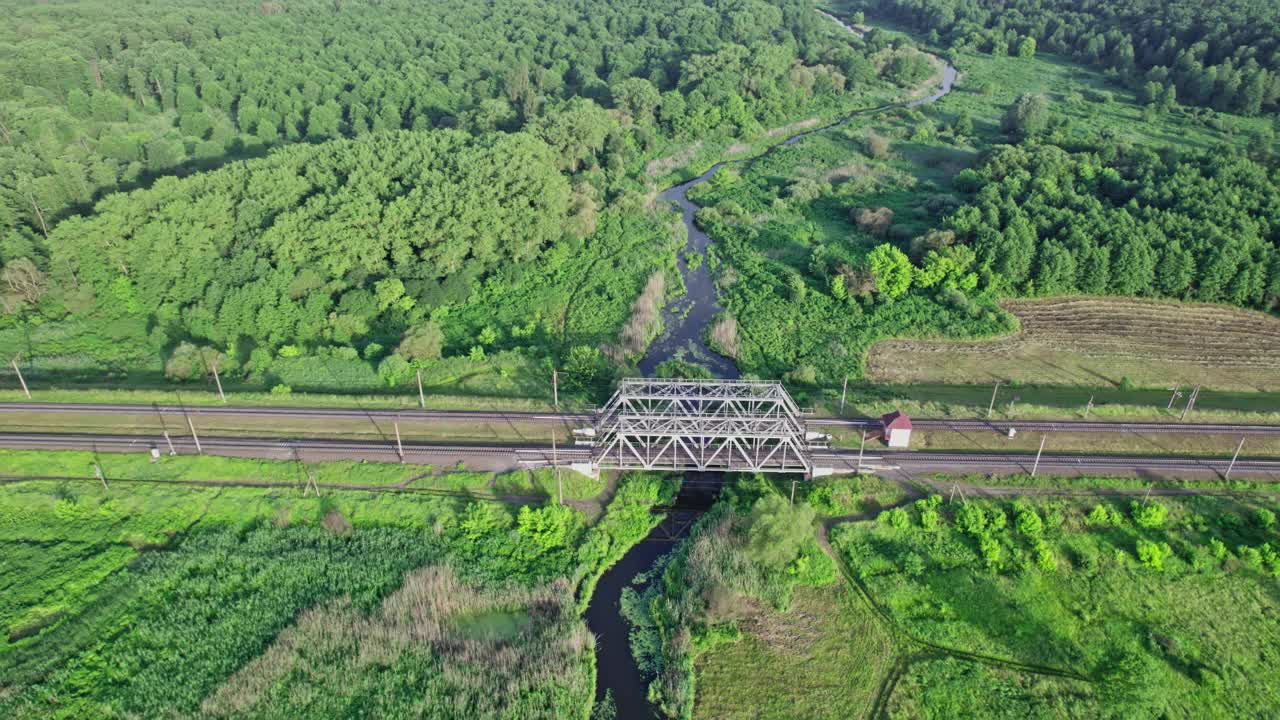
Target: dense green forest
1224,55
100,96
1122,221
436,183
438,191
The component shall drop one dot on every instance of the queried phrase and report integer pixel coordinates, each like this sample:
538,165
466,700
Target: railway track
1068,426
533,455
421,453
416,415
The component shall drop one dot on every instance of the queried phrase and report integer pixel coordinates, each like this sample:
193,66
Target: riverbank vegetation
1083,607
241,601
748,554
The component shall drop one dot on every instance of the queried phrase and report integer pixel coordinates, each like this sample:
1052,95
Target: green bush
1264,518
896,518
1150,516
1153,554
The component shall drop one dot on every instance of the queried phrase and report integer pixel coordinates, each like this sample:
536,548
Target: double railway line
418,415
534,455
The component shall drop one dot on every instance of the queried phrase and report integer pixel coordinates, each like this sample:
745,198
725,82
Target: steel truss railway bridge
701,425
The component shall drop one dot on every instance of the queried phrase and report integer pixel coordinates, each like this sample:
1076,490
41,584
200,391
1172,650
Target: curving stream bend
686,320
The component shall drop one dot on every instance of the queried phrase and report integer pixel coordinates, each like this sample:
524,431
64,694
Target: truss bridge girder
706,425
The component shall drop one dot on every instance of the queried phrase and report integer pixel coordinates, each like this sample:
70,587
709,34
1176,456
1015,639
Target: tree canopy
100,96
1224,55
319,242
1126,221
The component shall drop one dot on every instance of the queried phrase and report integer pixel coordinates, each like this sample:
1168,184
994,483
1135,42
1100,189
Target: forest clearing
1101,341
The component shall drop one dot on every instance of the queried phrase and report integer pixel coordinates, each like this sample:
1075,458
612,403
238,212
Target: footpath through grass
155,599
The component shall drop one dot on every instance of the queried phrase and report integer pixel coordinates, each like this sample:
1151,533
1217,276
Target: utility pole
1088,407
194,436
555,463
992,406
422,399
793,493
172,451
862,446
1036,467
97,470
14,363
843,390
555,389
218,381
399,447
1173,397
1191,402
1230,467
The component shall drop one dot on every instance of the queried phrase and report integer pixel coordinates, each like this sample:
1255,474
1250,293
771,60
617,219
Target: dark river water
685,322
615,667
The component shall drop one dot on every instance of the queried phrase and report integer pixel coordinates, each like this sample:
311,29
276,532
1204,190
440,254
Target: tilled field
1100,341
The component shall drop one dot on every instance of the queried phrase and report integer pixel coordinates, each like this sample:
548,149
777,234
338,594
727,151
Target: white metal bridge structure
704,425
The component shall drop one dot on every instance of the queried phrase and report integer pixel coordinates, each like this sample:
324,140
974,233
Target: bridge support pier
591,470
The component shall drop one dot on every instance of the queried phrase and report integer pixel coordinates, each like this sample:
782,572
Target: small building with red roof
897,429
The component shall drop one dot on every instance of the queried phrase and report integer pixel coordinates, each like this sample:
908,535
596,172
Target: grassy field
1017,401
137,469
151,600
822,658
1091,341
1051,484
1167,609
951,688
1058,608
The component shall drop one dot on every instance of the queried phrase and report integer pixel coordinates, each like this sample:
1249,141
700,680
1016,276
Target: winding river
686,321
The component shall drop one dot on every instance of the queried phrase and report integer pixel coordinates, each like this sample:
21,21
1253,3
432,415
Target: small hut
897,429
